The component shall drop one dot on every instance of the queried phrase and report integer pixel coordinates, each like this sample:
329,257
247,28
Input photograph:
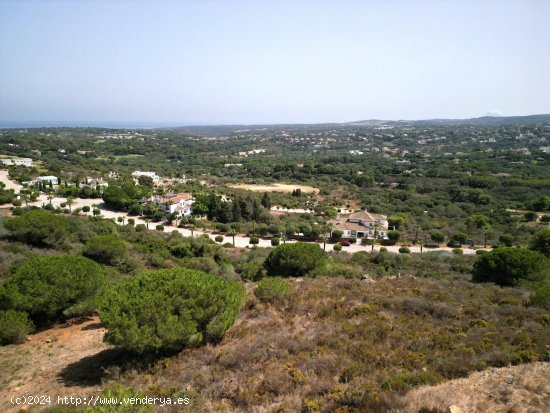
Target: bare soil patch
275,188
51,362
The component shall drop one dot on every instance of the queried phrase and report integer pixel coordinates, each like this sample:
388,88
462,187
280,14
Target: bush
159,227
106,249
540,297
295,259
47,287
14,327
336,235
541,242
506,239
168,310
404,250
254,241
272,289
458,251
337,247
511,266
219,239
141,228
38,227
275,242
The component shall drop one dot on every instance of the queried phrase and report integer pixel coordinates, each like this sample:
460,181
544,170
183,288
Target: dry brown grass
517,389
287,188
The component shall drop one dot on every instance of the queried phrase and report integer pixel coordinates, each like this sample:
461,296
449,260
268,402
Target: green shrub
458,251
541,242
47,287
540,297
511,266
272,289
295,260
404,250
168,310
219,239
106,249
141,228
252,270
336,235
254,241
38,227
337,247
159,227
275,242
14,327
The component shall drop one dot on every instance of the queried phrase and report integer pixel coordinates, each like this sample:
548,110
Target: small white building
181,204
48,179
362,224
152,175
17,161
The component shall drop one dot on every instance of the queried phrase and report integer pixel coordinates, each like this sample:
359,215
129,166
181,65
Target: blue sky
219,62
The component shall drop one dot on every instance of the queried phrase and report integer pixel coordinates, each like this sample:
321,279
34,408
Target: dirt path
60,361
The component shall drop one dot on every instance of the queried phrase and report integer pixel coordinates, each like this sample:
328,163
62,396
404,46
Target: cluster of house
362,224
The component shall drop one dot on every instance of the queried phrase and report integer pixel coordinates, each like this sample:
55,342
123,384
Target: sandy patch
276,188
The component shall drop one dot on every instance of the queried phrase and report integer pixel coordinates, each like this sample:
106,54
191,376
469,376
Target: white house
181,204
48,178
362,224
152,175
17,161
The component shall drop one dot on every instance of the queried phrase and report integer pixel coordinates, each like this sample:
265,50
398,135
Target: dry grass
516,389
276,188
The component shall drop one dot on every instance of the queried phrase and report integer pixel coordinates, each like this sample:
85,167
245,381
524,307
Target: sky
257,62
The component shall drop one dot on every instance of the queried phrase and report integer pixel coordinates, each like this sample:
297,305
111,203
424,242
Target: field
276,188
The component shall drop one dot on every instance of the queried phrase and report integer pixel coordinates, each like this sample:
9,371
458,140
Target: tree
295,260
506,239
106,249
530,216
219,239
511,266
275,242
146,181
396,221
394,235
336,235
541,242
168,310
14,327
232,234
47,287
254,241
96,212
438,237
85,209
266,202
70,202
38,227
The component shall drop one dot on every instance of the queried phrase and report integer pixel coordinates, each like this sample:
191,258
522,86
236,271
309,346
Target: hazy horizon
192,63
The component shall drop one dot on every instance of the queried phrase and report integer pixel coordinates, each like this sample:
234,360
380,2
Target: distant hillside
488,121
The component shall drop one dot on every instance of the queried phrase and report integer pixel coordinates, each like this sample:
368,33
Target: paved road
240,241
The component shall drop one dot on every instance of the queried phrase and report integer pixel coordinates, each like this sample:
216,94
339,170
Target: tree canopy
168,310
295,260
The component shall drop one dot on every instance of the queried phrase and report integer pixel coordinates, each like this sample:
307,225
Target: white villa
181,204
152,175
362,224
17,161
48,179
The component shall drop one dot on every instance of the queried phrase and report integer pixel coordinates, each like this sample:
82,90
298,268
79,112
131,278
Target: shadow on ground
92,370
